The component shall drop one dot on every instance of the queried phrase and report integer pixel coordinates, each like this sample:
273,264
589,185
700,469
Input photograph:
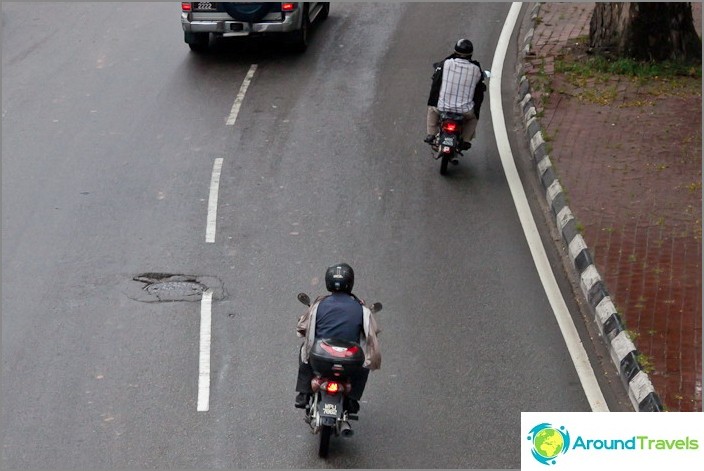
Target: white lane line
240,95
206,302
213,202
564,320
204,360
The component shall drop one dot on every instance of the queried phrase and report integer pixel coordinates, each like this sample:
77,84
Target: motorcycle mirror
487,73
376,307
304,298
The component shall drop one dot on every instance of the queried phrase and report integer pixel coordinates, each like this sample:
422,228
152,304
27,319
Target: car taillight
288,6
449,126
185,6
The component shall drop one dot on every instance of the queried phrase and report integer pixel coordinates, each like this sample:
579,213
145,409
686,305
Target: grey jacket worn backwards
368,340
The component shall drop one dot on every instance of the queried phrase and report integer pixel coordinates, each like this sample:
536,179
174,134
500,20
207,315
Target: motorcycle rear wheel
444,161
325,433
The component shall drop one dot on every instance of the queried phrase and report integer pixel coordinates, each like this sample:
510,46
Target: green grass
593,77
596,65
645,363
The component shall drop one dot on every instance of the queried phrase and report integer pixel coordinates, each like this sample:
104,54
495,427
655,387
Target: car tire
299,39
198,42
324,12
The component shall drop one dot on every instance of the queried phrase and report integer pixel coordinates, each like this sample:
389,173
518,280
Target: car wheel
299,39
198,42
324,11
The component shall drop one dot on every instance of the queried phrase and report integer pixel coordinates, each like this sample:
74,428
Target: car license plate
205,6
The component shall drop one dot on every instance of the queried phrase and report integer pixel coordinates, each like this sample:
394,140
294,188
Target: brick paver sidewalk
629,157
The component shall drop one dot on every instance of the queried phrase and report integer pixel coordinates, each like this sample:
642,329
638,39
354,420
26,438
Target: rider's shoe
465,145
302,400
352,405
429,139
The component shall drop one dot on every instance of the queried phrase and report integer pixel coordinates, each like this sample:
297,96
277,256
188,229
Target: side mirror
376,307
304,298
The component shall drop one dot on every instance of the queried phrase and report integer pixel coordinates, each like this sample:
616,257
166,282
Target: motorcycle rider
340,315
458,87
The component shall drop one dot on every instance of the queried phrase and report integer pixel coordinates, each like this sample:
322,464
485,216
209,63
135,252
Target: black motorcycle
448,142
334,362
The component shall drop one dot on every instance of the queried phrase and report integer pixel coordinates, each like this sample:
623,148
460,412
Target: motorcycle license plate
328,410
448,141
329,407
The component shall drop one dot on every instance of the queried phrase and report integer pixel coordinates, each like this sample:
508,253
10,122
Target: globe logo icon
548,442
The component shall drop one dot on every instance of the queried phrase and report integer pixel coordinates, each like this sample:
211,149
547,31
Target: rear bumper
230,27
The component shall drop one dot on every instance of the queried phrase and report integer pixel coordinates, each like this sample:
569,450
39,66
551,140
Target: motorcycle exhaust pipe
345,430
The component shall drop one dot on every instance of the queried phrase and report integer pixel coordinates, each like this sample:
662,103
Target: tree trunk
653,31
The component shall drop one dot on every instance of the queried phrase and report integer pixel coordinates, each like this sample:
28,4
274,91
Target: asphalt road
110,128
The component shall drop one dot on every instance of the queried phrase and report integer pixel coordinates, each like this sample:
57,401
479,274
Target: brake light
449,126
288,6
317,383
340,352
185,6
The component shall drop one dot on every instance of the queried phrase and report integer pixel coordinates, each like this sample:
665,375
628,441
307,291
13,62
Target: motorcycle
448,144
334,362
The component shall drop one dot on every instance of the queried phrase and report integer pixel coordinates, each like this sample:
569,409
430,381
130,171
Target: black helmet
339,277
465,47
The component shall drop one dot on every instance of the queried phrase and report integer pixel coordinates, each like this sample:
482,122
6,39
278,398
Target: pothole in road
166,287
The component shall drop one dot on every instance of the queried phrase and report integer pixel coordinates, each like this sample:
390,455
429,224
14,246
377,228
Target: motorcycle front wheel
325,433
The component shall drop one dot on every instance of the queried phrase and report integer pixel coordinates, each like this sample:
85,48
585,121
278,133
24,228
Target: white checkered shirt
459,79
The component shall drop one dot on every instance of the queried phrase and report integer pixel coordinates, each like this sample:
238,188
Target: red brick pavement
629,157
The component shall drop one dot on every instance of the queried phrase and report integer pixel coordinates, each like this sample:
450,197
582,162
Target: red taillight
449,126
288,6
340,352
331,387
185,6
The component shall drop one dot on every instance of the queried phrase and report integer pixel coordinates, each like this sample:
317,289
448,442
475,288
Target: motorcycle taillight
333,387
449,126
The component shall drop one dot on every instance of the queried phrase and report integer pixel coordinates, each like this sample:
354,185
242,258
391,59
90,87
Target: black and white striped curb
623,352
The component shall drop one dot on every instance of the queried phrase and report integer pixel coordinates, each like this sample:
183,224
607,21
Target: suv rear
292,20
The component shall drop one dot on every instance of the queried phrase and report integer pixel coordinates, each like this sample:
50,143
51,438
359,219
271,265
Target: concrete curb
623,352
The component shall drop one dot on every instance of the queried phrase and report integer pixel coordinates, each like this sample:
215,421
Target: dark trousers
305,375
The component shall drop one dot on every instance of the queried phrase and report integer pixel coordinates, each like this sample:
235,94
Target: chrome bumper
236,28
